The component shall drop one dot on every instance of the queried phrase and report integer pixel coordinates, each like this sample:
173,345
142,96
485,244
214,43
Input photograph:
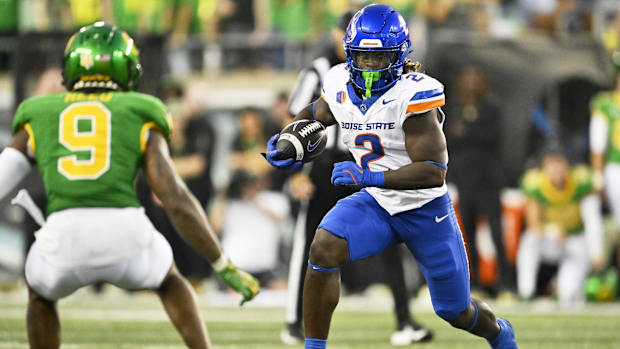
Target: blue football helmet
376,44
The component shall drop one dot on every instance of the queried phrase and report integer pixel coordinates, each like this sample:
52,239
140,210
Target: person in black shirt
473,133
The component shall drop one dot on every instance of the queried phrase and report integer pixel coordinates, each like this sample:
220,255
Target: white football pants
573,260
81,246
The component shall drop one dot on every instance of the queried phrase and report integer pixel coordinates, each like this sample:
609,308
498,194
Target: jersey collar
363,104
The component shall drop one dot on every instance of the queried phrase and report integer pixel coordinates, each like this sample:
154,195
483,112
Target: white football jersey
372,128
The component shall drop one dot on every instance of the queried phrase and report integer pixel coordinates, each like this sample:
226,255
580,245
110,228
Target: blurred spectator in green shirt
143,16
296,19
85,12
8,20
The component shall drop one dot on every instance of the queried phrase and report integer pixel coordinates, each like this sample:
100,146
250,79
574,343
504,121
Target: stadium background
222,59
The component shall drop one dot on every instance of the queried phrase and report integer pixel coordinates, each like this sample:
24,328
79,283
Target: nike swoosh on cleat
312,146
386,102
438,220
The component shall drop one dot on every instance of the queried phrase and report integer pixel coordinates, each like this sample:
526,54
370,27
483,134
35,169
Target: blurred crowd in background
519,78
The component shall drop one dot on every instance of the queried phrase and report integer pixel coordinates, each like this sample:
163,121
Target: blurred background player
250,227
89,144
605,145
404,197
473,133
563,226
312,185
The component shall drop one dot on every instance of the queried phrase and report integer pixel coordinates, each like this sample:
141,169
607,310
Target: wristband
373,179
220,264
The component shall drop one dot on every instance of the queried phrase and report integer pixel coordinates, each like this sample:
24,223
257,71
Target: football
302,140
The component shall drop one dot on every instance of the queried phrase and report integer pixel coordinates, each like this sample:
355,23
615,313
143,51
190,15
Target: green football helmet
101,56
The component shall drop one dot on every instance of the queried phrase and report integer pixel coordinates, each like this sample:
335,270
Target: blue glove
272,153
350,174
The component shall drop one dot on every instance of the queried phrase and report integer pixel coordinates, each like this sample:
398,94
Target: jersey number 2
376,151
94,138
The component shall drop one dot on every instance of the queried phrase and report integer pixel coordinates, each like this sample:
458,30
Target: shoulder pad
422,92
22,116
154,111
334,87
583,179
600,99
530,183
581,173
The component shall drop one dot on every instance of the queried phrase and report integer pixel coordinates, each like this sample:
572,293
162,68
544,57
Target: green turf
104,325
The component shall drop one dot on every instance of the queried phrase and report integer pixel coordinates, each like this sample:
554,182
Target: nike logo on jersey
386,102
438,220
312,146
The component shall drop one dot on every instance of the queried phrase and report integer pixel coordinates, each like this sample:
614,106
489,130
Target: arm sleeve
593,224
14,166
598,133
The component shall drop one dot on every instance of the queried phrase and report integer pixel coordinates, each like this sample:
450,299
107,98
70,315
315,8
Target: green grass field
138,321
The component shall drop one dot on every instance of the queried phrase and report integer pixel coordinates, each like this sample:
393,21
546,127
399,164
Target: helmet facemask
373,70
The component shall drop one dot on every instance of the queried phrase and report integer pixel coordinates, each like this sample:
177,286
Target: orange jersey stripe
414,108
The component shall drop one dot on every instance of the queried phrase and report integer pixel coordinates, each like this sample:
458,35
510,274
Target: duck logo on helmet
86,61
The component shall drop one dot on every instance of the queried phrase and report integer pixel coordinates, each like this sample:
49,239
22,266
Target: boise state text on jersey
372,128
368,127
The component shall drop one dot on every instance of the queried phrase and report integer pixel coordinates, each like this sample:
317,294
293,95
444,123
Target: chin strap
369,78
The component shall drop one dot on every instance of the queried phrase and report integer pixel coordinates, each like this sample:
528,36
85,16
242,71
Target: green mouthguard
370,77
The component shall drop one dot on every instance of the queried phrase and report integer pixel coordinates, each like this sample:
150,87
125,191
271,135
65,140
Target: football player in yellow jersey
88,144
564,225
605,144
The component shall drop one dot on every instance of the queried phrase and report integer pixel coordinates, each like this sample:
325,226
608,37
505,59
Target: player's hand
240,281
348,173
272,154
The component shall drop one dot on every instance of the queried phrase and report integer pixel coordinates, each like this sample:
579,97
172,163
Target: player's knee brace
321,269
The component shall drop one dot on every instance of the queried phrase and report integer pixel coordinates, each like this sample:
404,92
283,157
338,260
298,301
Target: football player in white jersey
391,122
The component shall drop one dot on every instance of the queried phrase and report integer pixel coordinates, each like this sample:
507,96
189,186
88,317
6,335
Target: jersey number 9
94,137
